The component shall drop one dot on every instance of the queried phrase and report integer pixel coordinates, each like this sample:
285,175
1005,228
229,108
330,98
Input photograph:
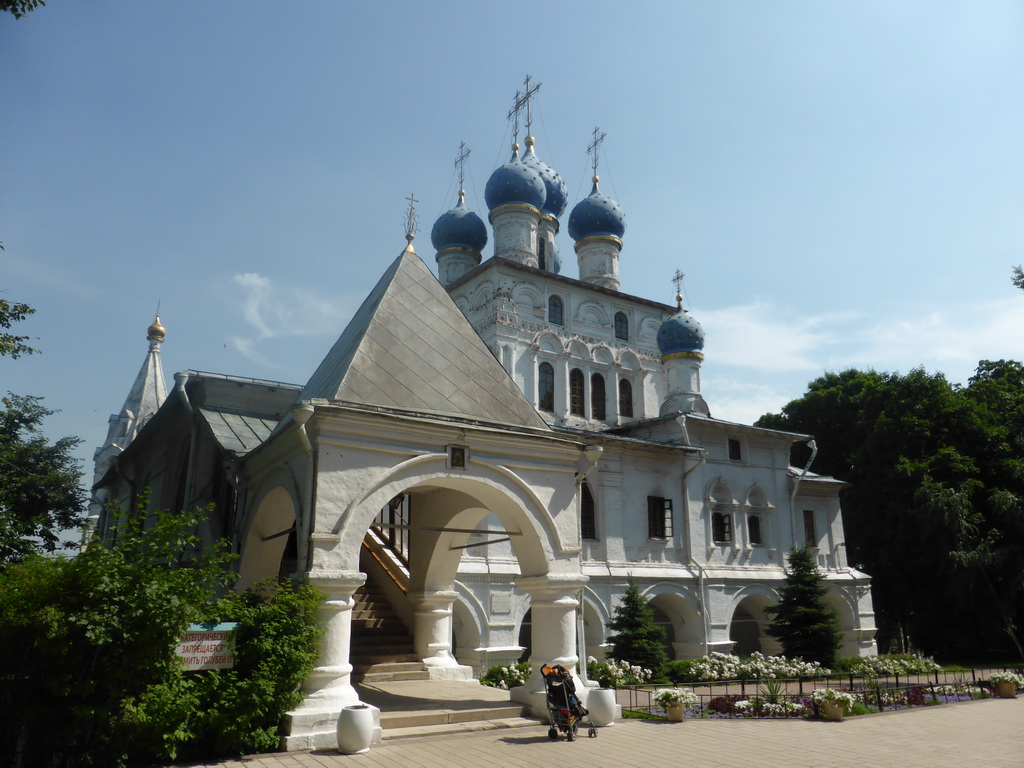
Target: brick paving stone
986,733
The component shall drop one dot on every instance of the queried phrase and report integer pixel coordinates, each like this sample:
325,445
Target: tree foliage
934,509
11,345
802,621
40,495
20,7
86,651
637,638
1018,277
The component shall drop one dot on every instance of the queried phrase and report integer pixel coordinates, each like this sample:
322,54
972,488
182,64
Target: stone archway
448,505
748,625
266,541
847,614
686,636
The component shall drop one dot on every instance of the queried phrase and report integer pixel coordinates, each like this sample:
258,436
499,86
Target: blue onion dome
556,259
557,197
515,182
596,214
459,228
680,334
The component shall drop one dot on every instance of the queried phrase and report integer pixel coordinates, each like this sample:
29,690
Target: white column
553,604
433,634
329,686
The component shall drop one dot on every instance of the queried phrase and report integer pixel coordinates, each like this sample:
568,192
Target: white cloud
277,312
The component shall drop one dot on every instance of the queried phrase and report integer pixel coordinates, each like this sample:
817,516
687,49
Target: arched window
546,387
625,398
577,403
588,518
754,529
621,326
540,254
555,310
598,410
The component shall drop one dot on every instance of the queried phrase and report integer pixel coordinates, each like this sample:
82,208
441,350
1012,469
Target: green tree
932,511
637,638
1018,277
802,621
40,492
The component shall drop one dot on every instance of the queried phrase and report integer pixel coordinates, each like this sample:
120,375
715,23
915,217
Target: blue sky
842,183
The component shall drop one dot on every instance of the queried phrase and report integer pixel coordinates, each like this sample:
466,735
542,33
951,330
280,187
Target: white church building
482,460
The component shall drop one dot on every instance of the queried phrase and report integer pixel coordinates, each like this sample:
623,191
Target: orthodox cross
522,100
460,162
410,219
677,278
594,146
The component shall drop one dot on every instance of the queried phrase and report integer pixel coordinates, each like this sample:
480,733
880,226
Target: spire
593,150
411,224
144,399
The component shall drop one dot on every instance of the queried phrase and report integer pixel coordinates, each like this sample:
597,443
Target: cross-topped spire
593,148
677,278
411,223
460,164
522,101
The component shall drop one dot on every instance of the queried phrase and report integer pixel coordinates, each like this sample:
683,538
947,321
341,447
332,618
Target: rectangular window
659,517
721,527
735,454
810,535
754,529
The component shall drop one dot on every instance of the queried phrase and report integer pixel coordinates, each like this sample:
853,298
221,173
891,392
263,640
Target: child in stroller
564,708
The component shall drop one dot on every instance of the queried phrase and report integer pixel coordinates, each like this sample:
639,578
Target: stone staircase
382,648
388,674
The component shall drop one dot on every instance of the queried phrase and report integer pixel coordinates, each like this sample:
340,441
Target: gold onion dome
156,332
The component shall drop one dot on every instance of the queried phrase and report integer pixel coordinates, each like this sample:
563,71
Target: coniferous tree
637,638
803,621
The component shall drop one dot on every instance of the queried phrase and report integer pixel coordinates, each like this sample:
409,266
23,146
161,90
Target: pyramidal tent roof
410,347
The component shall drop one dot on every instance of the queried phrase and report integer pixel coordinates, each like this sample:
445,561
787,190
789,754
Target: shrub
95,680
671,697
616,674
723,666
887,665
507,677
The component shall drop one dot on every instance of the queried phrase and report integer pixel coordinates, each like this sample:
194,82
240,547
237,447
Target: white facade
528,497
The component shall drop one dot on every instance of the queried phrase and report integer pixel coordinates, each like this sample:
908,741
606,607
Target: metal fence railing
792,698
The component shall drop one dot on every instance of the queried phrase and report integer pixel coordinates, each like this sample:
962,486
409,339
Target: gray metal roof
237,432
410,347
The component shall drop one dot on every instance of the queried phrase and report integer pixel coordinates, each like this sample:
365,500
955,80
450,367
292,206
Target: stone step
452,728
430,717
357,659
393,677
396,666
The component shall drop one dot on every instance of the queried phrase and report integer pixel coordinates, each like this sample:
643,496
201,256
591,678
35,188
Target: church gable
410,347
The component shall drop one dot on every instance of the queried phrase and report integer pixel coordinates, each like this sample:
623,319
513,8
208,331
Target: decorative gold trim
524,207
691,355
599,239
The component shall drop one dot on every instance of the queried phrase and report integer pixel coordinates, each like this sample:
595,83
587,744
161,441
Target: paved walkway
987,734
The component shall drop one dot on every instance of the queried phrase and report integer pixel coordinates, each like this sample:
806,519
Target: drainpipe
701,577
180,379
302,413
796,486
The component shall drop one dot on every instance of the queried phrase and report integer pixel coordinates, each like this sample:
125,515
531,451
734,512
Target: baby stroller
564,709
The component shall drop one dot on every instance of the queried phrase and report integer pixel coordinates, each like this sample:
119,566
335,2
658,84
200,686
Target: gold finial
156,332
530,141
411,224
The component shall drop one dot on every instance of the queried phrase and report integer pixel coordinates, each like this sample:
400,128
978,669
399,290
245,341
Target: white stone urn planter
676,713
832,710
355,729
602,706
1007,690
